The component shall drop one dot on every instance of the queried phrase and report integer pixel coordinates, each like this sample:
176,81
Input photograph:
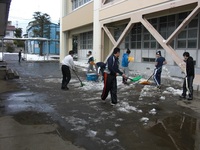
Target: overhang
4,11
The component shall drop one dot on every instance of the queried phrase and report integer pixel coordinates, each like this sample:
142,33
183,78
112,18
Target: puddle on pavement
182,131
32,118
25,101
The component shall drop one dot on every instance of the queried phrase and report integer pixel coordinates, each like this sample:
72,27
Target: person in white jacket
67,64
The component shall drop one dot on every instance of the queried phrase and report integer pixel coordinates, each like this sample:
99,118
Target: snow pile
153,111
144,119
148,91
110,133
91,133
125,107
171,90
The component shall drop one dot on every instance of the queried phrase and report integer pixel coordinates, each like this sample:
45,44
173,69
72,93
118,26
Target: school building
144,26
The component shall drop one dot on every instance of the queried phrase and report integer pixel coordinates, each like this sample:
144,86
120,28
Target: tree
18,34
41,27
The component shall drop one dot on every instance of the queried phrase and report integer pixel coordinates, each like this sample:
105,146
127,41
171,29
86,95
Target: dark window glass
146,44
192,33
146,36
192,43
182,16
138,44
153,44
193,23
182,44
182,35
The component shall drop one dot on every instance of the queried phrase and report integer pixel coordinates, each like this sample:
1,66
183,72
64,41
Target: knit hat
158,53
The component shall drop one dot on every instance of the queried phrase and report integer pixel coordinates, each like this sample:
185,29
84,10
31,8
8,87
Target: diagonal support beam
124,33
103,2
162,42
109,35
183,25
121,38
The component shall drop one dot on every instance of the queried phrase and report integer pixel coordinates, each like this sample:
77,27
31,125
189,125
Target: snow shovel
147,81
78,78
137,78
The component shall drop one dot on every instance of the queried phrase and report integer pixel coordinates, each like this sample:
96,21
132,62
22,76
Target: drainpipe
47,50
2,50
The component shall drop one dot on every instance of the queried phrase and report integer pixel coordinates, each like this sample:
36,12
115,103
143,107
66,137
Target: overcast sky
21,11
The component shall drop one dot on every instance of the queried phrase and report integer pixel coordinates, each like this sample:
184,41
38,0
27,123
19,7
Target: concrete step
16,75
3,69
10,74
7,73
3,72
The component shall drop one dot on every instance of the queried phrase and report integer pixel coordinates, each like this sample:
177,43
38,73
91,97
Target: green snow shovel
137,78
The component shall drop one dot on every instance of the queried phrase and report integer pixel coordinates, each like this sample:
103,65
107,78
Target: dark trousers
110,85
20,58
157,76
189,84
66,76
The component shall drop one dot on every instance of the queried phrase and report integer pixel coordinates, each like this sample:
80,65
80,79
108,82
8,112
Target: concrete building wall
106,18
126,6
78,18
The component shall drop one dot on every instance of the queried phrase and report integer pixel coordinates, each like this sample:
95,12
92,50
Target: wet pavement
154,121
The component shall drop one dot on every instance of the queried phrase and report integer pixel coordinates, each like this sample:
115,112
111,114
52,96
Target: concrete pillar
63,45
97,48
63,36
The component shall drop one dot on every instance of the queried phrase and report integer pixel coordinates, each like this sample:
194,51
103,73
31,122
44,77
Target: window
145,59
7,33
127,41
136,36
86,40
139,37
78,3
188,37
167,27
149,40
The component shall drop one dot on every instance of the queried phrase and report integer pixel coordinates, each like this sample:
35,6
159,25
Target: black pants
66,76
189,85
19,58
110,85
157,76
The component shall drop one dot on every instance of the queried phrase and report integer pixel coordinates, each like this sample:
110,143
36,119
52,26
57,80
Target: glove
123,75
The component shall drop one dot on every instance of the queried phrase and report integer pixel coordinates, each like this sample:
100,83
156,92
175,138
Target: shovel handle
150,77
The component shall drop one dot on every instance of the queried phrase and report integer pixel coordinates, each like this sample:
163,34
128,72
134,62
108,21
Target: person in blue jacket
125,63
110,76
